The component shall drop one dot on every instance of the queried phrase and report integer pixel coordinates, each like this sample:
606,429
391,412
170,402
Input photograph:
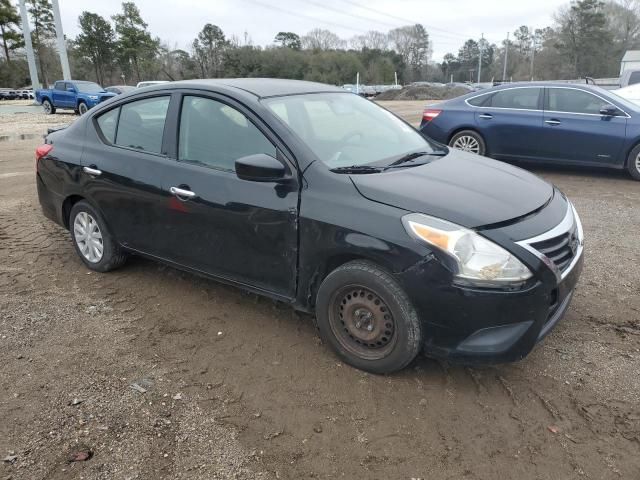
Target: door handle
552,122
182,193
486,115
92,171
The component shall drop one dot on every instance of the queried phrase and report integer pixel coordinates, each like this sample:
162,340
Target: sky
449,22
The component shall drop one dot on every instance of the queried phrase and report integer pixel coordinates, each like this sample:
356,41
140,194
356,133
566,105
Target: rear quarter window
480,101
107,123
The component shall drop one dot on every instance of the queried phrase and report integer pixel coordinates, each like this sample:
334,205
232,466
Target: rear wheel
92,240
468,141
48,107
366,317
633,162
82,108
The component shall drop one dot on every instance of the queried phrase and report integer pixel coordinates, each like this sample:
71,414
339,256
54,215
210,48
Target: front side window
518,98
343,129
215,135
141,124
572,101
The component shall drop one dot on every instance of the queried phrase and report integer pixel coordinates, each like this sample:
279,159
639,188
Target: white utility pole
62,48
358,83
396,77
481,45
31,59
506,56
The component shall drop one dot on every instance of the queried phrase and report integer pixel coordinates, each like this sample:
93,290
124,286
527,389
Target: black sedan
316,197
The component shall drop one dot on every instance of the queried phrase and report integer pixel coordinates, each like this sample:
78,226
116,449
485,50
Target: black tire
82,108
469,135
633,163
112,255
375,297
49,109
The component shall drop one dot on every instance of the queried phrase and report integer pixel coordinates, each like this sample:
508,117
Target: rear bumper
50,204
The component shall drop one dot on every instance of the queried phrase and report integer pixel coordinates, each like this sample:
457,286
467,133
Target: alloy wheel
82,109
47,107
467,143
88,237
638,162
362,322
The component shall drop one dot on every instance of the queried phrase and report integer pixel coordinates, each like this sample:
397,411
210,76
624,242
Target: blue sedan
542,122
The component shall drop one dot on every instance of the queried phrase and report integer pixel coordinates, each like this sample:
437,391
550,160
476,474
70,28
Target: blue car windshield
89,87
343,129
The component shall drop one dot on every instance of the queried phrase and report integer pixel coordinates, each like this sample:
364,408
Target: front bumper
482,326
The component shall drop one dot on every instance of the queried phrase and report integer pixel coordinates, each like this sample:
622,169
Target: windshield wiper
357,169
415,155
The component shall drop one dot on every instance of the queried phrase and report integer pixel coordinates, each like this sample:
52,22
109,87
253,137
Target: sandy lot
157,374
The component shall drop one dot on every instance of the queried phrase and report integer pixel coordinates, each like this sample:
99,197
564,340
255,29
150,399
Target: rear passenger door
510,120
575,131
60,95
123,163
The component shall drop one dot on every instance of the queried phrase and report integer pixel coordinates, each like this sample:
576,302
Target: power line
405,20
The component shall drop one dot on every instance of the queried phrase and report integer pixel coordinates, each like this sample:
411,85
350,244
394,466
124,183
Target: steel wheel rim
467,143
88,237
362,322
47,107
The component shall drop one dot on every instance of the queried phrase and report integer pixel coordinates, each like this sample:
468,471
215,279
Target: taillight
429,114
42,151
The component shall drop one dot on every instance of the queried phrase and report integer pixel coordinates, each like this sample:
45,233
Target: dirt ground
158,374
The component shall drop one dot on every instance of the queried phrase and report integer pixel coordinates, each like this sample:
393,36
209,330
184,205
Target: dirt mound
423,92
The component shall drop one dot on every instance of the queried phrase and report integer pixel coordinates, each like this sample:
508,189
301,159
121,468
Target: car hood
460,187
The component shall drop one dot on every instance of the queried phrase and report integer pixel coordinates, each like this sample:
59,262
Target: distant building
630,61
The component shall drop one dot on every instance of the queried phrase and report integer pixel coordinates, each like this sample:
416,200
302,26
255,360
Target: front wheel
368,320
469,141
633,163
82,108
48,107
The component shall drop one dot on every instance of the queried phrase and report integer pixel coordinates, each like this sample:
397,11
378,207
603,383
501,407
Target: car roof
259,87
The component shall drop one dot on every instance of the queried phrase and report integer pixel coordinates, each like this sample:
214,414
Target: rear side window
141,124
59,86
107,123
634,78
480,101
572,101
215,135
519,98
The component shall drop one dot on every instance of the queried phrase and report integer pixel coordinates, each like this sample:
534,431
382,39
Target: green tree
209,49
289,40
41,12
9,26
583,37
96,42
135,47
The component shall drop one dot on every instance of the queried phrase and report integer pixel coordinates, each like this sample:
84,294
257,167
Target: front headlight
479,261
93,97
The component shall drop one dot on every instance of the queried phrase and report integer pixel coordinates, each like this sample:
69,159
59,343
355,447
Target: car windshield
89,87
344,130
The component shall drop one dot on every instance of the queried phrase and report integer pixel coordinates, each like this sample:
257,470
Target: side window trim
281,148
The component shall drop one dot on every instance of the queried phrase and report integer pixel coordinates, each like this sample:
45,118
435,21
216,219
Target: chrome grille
560,247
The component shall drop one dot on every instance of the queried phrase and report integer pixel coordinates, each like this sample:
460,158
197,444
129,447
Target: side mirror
609,110
259,168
